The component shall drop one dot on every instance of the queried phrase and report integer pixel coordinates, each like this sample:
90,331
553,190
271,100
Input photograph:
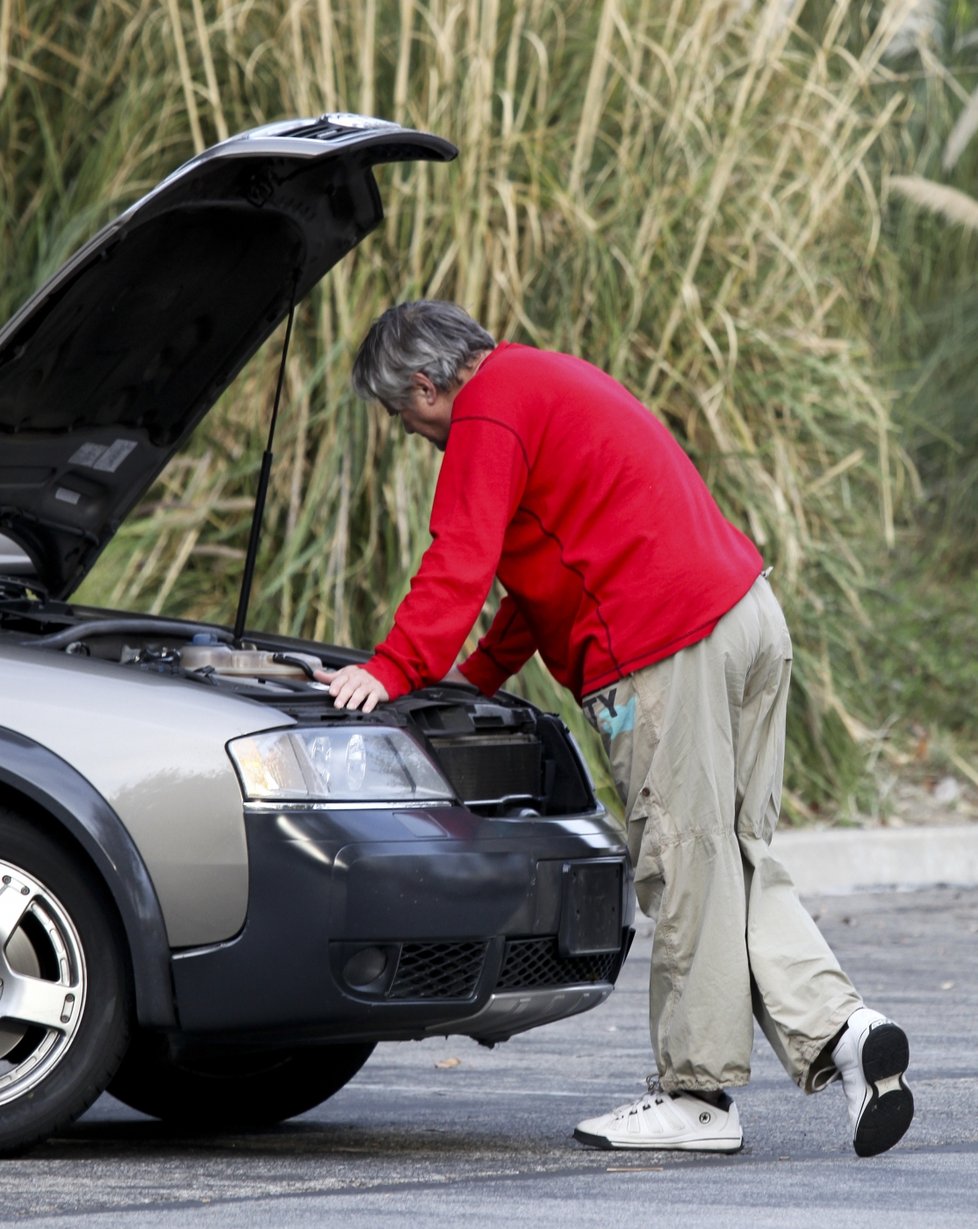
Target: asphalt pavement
444,1132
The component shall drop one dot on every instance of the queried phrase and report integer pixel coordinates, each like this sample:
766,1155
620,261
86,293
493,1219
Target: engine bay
503,755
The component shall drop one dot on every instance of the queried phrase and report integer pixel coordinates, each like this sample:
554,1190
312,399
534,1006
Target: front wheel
64,987
226,1089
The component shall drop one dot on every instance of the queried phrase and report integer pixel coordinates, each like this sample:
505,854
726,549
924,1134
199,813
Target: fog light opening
366,968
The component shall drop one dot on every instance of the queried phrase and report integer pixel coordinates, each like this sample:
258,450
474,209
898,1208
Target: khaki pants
696,745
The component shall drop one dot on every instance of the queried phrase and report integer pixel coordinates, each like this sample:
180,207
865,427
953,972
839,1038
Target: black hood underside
108,368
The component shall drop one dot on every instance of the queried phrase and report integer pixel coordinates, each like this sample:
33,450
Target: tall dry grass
683,191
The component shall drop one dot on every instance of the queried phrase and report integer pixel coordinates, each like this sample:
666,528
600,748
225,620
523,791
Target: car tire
64,987
231,1090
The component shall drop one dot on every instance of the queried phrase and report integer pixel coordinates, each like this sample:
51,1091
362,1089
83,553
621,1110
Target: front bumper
381,924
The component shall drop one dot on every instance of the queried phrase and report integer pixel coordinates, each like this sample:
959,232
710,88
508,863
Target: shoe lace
653,1092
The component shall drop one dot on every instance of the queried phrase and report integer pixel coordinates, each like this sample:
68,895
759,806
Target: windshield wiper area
14,590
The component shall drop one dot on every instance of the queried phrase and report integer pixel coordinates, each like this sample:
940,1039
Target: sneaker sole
889,1110
691,1145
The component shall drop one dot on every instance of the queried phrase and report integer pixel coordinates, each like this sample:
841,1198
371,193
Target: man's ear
426,384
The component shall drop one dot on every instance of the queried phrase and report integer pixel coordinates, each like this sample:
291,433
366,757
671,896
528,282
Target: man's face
429,411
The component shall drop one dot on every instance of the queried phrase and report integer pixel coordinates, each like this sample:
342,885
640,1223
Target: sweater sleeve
506,646
482,478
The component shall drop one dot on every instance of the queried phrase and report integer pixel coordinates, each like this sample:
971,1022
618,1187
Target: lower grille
438,970
533,963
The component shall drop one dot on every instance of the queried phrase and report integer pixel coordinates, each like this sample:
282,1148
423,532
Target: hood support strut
262,493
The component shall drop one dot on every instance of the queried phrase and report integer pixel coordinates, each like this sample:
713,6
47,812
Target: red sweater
611,549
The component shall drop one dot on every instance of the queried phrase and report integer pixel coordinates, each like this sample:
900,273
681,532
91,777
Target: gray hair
428,335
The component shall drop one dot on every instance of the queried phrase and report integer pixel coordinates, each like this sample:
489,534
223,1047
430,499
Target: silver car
218,892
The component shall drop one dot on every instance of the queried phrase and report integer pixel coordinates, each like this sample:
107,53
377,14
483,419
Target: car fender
83,814
153,746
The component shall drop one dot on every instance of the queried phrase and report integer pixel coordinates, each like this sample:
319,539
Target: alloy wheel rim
43,982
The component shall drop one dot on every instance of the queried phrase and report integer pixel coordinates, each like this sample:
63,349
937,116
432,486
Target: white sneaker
666,1120
871,1056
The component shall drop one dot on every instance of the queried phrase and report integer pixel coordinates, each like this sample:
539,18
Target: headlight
336,765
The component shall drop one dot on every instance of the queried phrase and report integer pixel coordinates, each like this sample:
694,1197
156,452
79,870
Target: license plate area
590,909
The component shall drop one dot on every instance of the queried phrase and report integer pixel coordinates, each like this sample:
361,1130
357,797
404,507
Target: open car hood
107,369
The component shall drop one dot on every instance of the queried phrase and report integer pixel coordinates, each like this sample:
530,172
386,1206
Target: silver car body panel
183,809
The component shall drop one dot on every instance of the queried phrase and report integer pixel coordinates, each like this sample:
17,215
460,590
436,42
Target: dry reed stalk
6,22
210,76
366,101
591,106
183,61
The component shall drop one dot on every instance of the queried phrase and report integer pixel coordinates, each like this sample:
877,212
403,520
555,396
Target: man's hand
353,687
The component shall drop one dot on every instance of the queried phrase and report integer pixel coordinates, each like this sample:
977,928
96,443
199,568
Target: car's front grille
534,963
492,769
438,970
